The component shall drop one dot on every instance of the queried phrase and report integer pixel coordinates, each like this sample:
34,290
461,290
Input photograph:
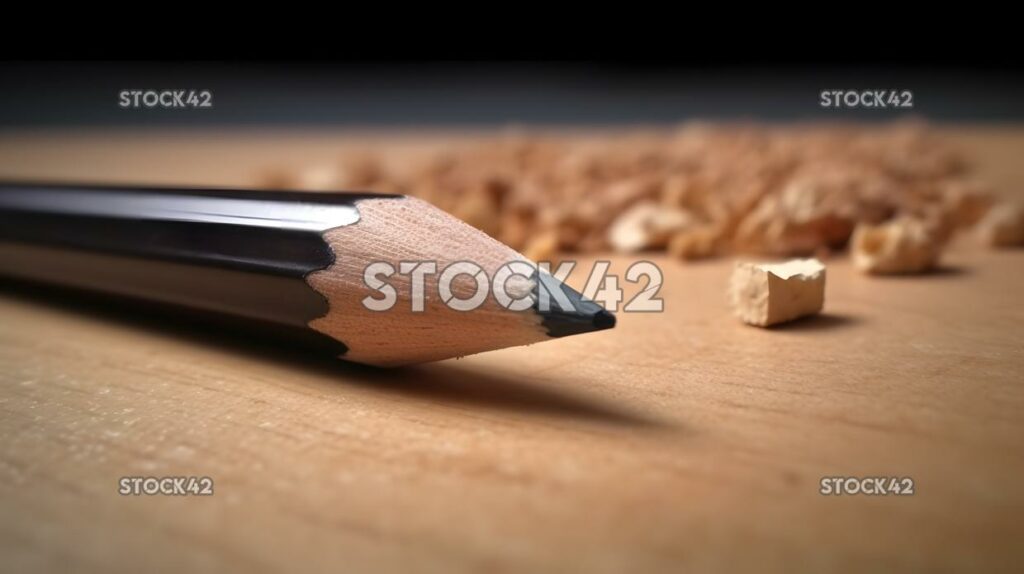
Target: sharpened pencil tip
581,316
603,320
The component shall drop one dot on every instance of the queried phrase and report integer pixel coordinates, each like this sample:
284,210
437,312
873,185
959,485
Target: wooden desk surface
681,441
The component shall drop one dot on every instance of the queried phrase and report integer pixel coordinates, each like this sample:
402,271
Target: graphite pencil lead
581,315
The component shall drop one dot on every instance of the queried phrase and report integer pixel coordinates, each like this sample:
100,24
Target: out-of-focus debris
697,191
699,242
1003,226
542,248
901,245
647,225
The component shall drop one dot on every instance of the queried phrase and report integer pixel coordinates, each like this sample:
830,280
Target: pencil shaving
779,191
903,245
765,294
1003,226
647,225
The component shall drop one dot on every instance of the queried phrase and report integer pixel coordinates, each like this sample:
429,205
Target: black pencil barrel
239,253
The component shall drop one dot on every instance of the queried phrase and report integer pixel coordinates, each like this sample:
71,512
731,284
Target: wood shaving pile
697,191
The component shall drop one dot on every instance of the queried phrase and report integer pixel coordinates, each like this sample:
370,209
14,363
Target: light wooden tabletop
678,442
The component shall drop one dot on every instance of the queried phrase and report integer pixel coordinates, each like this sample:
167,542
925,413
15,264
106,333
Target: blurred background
318,94
546,156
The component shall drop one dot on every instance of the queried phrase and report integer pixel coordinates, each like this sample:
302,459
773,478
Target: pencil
298,262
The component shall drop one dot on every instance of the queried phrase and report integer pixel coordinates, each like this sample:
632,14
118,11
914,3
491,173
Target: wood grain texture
682,441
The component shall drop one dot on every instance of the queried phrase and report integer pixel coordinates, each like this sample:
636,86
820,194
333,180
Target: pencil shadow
436,382
457,385
819,322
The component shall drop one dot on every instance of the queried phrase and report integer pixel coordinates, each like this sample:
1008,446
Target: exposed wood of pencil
410,230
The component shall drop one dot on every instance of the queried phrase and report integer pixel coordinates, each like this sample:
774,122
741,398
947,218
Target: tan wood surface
678,442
